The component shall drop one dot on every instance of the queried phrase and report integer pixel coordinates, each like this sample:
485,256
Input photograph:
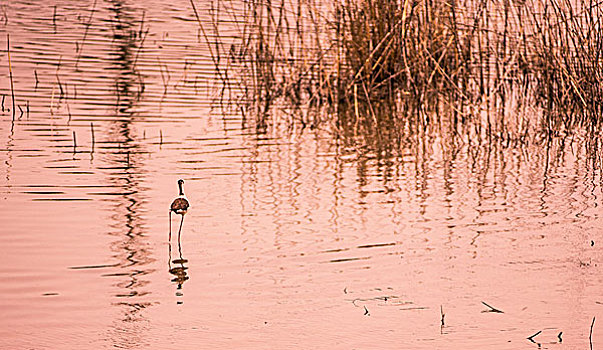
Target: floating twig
3,96
559,337
21,110
160,137
385,298
74,142
442,314
531,338
492,309
27,109
366,311
414,308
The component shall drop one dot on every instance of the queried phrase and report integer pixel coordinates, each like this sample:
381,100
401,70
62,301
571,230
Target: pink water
294,239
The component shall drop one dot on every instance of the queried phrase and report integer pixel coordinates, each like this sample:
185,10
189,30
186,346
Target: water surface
295,237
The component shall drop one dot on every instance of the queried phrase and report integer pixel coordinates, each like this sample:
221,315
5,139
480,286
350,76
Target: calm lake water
295,239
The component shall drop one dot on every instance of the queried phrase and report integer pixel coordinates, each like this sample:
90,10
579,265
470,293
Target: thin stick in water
3,96
69,113
79,48
37,81
74,142
531,338
58,79
54,19
590,336
52,101
211,52
10,72
492,309
141,24
21,110
92,133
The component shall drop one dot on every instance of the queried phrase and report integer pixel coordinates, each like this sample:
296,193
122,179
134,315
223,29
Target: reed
590,334
92,136
10,73
389,70
567,63
79,47
54,19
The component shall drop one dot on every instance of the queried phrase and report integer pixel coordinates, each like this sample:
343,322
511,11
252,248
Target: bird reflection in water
177,268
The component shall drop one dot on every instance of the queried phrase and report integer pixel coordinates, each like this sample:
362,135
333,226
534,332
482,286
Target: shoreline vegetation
509,70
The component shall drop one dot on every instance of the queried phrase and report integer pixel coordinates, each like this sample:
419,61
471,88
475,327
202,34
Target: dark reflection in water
127,174
127,38
178,269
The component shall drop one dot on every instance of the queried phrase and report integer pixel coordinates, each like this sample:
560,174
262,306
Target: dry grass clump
391,67
567,63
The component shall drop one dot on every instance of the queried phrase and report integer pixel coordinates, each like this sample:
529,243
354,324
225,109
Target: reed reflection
442,182
131,247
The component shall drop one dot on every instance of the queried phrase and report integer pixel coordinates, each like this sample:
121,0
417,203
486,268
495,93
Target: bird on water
179,206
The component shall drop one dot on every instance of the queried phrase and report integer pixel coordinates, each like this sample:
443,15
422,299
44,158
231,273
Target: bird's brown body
179,206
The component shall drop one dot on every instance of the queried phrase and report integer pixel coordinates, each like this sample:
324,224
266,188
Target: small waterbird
179,206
